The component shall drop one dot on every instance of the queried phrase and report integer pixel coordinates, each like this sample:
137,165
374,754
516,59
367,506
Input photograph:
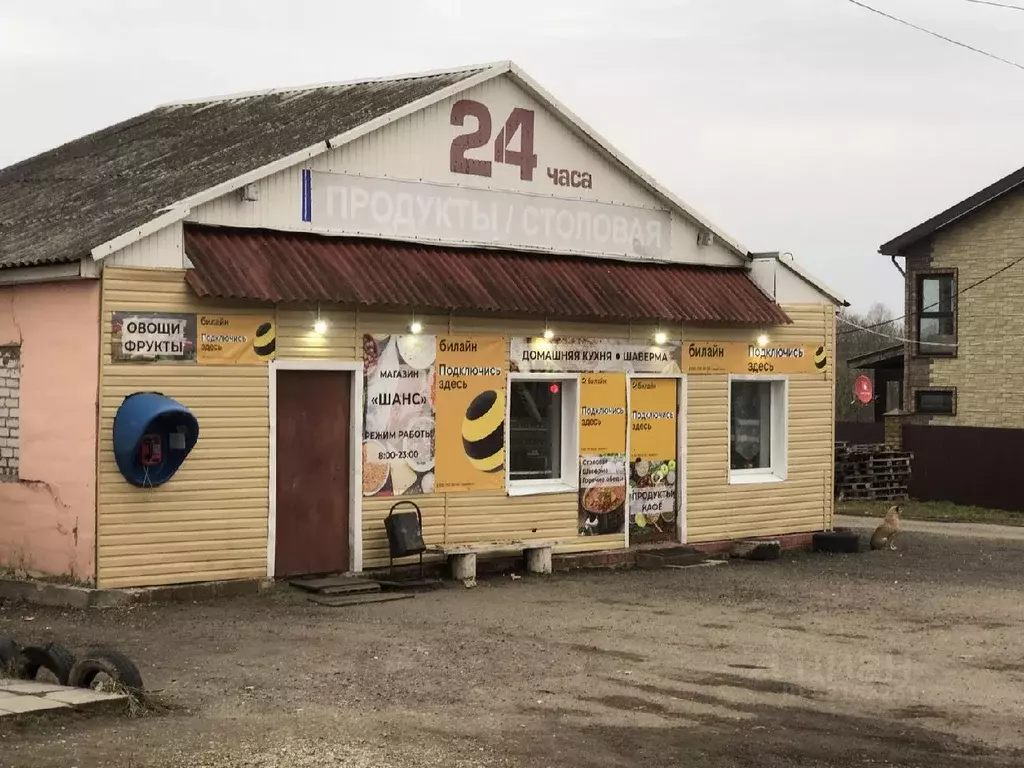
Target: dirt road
912,658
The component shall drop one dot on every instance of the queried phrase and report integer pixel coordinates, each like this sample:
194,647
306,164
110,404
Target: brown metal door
313,472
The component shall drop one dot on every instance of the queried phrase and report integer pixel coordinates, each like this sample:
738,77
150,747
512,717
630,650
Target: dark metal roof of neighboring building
56,207
281,267
888,357
991,193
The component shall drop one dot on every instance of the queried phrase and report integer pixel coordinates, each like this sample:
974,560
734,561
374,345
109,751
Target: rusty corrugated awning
281,267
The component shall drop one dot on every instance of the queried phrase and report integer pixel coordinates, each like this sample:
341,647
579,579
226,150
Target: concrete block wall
10,401
988,367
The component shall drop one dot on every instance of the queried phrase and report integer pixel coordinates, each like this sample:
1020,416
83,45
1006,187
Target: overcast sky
808,126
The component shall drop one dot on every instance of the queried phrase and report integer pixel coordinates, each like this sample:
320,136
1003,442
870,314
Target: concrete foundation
463,566
538,560
70,596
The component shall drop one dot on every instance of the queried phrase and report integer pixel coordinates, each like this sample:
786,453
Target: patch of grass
933,511
139,703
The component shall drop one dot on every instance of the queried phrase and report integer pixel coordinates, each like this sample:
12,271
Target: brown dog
885,534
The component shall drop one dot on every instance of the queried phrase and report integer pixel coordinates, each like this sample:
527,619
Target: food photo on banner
470,407
399,421
603,425
653,455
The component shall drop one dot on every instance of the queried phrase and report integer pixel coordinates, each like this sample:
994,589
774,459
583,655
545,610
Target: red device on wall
150,450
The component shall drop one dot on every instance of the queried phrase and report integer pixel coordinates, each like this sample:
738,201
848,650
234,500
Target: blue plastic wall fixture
152,416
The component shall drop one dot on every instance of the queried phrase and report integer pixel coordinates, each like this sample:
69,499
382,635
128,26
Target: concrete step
669,556
342,601
355,588
410,584
327,582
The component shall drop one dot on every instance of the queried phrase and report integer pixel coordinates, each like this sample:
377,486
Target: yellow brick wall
988,370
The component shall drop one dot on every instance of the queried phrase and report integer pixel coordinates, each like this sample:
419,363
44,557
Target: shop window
936,316
937,401
542,435
757,429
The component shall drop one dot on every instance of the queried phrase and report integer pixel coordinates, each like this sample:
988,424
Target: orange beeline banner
469,404
602,414
232,339
653,416
717,357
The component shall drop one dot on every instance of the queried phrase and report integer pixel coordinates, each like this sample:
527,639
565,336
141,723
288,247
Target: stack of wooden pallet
871,472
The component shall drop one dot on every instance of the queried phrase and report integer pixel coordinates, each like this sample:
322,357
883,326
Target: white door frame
355,520
681,452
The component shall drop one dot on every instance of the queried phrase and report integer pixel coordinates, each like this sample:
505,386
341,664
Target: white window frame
569,482
778,470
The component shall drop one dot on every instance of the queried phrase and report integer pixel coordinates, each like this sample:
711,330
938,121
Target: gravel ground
908,658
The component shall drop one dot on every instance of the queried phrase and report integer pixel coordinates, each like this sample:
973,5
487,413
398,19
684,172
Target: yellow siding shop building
441,289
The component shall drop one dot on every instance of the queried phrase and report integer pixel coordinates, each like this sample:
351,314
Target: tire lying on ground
9,652
113,664
838,541
52,656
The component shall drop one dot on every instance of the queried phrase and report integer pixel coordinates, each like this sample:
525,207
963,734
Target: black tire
52,656
9,655
115,665
837,542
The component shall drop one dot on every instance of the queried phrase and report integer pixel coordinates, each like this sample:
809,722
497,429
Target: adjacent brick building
963,367
10,390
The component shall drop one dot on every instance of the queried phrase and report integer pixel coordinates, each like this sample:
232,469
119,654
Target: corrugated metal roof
283,267
58,206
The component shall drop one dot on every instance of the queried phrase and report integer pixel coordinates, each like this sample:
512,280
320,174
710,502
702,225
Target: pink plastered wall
48,514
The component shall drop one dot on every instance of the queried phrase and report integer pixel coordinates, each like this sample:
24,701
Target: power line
870,329
960,345
935,34
958,294
998,5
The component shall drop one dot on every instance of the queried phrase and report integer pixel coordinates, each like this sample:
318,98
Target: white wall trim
355,531
179,210
171,215
605,146
44,273
778,260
